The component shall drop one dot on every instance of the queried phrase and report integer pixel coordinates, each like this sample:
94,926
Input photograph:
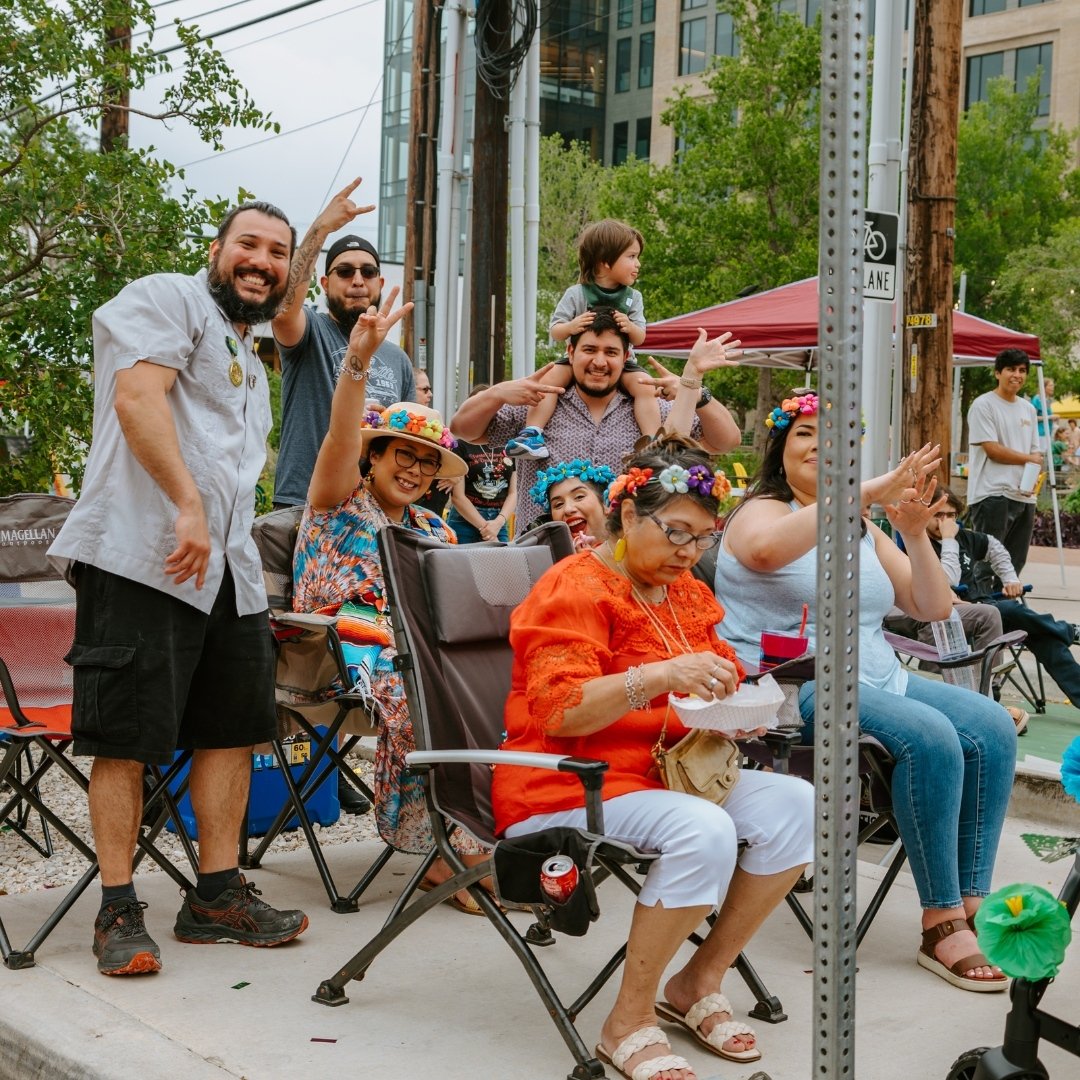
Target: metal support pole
532,194
883,187
443,339
844,101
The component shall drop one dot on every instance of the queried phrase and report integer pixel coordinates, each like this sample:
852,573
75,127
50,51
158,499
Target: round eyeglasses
680,537
407,459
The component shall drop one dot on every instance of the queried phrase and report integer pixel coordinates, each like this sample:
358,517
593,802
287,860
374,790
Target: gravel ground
22,869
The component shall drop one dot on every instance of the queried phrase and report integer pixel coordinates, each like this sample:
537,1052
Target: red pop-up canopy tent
779,328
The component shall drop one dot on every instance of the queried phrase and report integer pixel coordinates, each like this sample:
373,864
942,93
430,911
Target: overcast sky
320,62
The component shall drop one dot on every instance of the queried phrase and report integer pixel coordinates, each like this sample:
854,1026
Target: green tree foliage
76,224
1016,191
1014,186
738,208
1041,284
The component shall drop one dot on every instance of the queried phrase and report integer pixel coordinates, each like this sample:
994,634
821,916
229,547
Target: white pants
698,841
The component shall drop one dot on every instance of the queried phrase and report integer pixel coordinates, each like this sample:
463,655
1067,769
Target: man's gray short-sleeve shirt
220,403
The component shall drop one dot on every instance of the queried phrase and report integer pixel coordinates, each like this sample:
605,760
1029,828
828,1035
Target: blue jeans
469,534
955,754
1049,639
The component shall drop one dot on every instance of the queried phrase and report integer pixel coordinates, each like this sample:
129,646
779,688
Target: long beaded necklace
673,644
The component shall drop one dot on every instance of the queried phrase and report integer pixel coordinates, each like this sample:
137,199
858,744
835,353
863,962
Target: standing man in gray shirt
312,343
1003,439
172,636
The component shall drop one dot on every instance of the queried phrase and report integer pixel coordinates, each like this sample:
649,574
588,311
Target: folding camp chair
450,609
37,619
310,669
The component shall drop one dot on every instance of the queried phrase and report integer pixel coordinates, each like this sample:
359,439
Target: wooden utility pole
934,84
114,114
420,182
490,168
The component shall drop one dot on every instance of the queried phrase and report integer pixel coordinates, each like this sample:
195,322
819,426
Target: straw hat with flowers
414,423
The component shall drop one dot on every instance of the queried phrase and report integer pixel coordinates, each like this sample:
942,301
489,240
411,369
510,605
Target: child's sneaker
529,442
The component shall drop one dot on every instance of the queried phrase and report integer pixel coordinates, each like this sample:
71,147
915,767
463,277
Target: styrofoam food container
753,705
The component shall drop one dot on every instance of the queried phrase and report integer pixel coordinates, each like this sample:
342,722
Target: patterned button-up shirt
572,433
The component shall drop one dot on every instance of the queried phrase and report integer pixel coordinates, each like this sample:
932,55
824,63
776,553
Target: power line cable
406,24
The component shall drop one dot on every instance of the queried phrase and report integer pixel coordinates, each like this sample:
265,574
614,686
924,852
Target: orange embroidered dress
581,622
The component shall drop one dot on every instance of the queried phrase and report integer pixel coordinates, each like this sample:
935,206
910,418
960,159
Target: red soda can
559,878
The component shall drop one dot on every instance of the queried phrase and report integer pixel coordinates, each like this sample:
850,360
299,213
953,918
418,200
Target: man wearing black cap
313,344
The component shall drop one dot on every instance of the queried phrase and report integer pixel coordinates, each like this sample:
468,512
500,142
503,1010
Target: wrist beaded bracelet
689,383
350,367
635,687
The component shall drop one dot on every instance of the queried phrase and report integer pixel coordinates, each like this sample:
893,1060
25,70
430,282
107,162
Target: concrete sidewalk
448,999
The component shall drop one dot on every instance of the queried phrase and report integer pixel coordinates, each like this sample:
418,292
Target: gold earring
619,553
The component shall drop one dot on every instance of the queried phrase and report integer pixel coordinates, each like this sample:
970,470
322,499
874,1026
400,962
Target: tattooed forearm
303,264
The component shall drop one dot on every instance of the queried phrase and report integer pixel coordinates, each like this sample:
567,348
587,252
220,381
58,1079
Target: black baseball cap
350,243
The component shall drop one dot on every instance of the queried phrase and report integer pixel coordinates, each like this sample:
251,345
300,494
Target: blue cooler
268,792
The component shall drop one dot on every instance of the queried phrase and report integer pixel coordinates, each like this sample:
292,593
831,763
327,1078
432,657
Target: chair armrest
588,770
307,619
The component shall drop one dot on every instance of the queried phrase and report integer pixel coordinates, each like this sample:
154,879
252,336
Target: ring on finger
712,682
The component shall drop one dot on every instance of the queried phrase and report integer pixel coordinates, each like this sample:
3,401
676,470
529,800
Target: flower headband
566,470
410,423
698,479
780,418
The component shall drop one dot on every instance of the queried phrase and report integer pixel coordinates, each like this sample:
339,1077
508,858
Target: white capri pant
698,841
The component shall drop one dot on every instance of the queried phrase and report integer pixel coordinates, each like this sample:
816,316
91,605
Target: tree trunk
114,116
934,85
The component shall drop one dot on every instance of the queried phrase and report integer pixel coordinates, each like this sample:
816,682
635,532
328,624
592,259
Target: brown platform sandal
954,975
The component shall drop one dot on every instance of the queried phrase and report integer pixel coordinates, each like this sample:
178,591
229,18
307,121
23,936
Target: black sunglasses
347,273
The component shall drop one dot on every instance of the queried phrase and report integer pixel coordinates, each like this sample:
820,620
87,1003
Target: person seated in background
483,501
954,750
371,470
599,643
960,551
573,491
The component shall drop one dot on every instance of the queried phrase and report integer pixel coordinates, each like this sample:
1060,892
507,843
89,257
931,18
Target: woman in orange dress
602,639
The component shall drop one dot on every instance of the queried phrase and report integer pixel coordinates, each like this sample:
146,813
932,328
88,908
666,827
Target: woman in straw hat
371,470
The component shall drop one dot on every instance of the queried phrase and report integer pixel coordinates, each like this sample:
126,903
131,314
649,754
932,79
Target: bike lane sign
879,251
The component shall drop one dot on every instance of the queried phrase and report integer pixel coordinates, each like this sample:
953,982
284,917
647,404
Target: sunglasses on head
347,273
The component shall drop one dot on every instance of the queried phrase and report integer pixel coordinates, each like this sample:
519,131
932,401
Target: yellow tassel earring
619,552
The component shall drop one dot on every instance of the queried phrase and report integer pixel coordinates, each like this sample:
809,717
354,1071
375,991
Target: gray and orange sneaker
121,944
236,917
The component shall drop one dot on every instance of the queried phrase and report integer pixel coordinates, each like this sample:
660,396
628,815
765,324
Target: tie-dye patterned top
337,571
337,555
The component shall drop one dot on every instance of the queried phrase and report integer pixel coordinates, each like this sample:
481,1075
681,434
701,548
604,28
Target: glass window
814,6
1029,3
691,46
1029,60
625,15
648,11
986,7
980,70
727,41
643,137
622,65
787,7
646,47
690,5
620,137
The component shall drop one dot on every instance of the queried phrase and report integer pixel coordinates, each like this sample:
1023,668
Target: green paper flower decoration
1024,930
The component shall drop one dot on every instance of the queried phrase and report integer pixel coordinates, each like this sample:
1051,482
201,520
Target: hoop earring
618,553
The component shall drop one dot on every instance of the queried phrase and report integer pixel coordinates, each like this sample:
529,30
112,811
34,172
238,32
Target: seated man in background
1048,638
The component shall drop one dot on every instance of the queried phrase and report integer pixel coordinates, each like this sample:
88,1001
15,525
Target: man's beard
236,308
346,317
593,391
